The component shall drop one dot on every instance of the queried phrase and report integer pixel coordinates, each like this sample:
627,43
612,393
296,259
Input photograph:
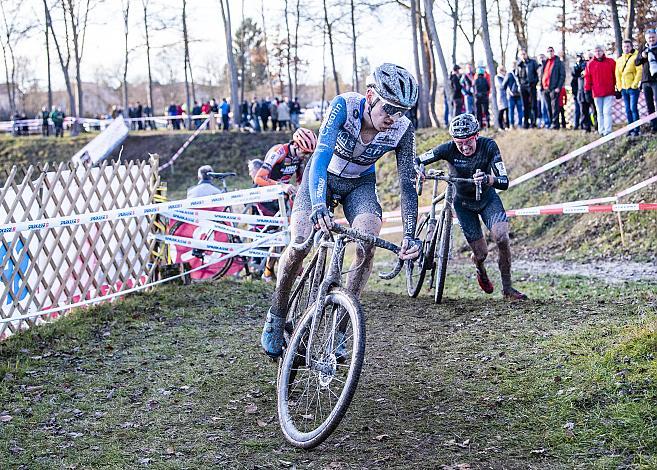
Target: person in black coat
647,57
527,73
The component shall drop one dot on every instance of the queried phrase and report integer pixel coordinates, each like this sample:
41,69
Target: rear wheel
314,396
443,252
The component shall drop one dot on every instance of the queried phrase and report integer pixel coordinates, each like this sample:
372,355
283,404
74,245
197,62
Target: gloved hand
481,178
419,169
322,218
289,189
410,248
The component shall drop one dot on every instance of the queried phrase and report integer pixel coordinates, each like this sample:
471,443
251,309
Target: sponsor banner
251,219
219,227
244,196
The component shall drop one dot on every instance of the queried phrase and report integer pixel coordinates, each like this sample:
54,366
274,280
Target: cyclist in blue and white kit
357,131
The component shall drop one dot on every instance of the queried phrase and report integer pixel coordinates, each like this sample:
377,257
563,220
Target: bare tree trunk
519,25
489,60
631,14
330,39
353,49
617,29
148,58
48,60
455,27
264,33
422,101
501,31
125,11
289,48
296,55
64,63
186,47
428,6
563,33
323,72
225,14
6,47
433,76
426,66
78,43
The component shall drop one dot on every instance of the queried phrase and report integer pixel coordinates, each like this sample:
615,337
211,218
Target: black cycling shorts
357,195
490,209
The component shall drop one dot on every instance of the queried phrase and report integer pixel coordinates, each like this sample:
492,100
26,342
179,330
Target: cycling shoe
272,339
514,295
484,282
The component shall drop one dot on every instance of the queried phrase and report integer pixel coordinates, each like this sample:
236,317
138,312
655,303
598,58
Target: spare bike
325,337
435,233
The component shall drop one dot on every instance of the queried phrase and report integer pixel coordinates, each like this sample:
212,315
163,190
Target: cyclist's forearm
262,179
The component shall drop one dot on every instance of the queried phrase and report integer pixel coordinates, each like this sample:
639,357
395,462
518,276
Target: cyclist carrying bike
471,156
281,163
356,132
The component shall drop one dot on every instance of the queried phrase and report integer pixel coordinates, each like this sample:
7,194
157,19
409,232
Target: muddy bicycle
435,233
325,337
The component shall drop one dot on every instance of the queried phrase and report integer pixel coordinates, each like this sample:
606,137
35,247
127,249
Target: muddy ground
175,379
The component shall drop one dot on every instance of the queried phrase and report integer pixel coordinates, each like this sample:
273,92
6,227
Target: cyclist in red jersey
281,163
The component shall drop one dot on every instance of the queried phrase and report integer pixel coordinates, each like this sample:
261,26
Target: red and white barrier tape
582,150
175,156
243,196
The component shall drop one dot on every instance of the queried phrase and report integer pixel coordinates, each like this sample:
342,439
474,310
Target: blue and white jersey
341,152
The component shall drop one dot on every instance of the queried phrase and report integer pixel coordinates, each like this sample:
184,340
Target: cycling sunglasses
393,111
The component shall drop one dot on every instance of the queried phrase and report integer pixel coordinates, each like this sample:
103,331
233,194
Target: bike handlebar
366,237
439,175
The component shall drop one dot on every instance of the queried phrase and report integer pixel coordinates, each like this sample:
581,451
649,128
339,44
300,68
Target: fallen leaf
538,451
262,423
382,437
5,418
464,444
251,408
285,463
170,451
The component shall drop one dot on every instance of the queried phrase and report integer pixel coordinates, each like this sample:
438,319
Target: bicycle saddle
221,175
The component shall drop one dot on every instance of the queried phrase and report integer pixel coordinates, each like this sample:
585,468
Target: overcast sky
383,37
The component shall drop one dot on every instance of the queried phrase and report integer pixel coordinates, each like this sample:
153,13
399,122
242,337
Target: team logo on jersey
500,168
356,114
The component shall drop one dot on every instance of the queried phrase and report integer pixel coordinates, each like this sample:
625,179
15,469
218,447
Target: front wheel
314,394
443,252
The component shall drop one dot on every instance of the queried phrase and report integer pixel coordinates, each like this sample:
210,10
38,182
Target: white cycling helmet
394,84
203,172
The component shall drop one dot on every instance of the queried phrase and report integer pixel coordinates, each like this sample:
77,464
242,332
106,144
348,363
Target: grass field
174,379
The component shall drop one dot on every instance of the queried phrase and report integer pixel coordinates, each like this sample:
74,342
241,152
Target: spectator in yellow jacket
628,80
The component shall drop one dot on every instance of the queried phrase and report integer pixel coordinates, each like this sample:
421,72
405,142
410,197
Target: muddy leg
500,233
356,280
290,262
479,254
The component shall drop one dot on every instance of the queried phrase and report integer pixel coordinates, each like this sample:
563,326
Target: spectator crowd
532,92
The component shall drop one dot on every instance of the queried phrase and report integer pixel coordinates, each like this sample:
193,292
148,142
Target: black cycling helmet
463,126
394,84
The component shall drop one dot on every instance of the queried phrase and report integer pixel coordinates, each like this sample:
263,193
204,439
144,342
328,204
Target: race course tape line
179,152
244,196
245,248
582,150
600,208
216,226
222,247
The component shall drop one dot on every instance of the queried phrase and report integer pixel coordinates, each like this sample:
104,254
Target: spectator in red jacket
600,80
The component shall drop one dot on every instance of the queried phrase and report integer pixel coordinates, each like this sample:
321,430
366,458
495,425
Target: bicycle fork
333,278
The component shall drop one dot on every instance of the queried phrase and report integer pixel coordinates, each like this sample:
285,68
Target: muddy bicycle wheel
442,255
312,403
416,270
